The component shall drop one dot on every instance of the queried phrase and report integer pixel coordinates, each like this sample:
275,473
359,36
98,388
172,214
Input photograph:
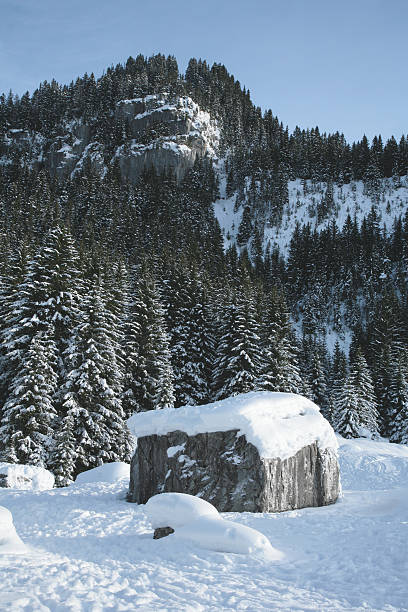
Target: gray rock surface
227,471
162,532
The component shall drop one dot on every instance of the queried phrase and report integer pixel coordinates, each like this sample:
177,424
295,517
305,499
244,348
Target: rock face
227,471
163,132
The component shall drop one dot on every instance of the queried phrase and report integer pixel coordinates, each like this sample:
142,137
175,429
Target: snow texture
10,542
177,510
93,551
219,535
109,472
25,477
277,424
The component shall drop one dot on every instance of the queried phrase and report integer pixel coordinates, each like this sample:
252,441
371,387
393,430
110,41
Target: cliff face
161,131
227,471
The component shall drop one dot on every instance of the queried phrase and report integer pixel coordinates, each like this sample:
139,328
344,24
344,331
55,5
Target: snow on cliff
277,424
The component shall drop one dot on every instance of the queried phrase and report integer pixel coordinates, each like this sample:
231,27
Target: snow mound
277,424
26,477
197,521
177,509
371,464
10,542
219,535
109,472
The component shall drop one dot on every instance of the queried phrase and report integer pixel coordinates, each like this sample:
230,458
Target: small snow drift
197,521
10,542
372,464
177,509
256,452
212,533
25,477
108,472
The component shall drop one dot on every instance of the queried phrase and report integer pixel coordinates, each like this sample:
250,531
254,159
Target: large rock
231,472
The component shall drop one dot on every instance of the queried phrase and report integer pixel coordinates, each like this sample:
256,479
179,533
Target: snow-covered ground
349,199
91,550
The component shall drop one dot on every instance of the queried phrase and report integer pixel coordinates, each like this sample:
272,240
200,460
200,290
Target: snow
90,550
200,127
277,424
10,543
199,522
109,472
177,510
173,450
349,199
370,466
27,477
219,535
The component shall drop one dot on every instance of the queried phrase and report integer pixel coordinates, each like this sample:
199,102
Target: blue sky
340,65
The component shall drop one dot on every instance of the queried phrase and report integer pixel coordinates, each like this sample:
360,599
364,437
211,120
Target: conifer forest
122,289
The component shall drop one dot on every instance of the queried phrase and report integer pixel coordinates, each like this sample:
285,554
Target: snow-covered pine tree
115,295
355,411
338,373
317,379
399,411
238,362
89,394
149,374
14,271
364,388
29,414
63,457
280,370
46,299
191,336
346,417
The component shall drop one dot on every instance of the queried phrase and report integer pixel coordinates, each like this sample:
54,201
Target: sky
340,65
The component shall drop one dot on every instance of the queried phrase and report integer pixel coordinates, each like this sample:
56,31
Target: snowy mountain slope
304,198
91,550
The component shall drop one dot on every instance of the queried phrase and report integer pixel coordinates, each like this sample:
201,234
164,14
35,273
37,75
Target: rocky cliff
159,130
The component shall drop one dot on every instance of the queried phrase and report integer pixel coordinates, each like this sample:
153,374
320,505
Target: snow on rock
219,535
177,509
108,472
10,543
277,424
25,477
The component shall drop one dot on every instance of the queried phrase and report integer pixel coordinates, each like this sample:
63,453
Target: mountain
201,250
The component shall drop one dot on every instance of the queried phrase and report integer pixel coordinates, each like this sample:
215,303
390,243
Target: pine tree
29,414
89,393
238,361
63,458
191,336
364,388
280,367
46,299
149,374
398,426
346,418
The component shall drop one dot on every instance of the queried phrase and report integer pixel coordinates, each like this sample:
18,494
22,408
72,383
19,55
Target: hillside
161,227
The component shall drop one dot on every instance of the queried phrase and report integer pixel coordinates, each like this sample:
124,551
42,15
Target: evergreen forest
118,295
